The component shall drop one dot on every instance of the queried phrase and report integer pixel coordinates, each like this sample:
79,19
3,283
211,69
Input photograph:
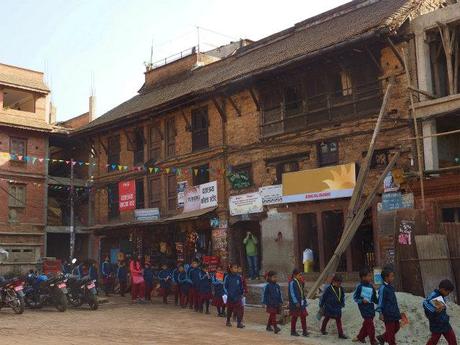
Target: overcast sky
110,39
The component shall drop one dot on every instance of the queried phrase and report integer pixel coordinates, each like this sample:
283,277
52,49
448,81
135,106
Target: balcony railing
322,109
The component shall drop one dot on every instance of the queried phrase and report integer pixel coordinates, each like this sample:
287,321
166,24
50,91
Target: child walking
122,276
297,303
273,301
218,285
184,286
365,296
194,276
435,311
148,278
204,288
333,300
165,282
388,308
233,288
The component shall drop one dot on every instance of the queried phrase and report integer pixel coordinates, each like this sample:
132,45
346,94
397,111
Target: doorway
333,228
238,252
308,238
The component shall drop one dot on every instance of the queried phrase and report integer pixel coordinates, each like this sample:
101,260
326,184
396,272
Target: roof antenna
198,38
149,65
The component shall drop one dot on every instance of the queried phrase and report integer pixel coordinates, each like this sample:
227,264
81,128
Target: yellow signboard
318,184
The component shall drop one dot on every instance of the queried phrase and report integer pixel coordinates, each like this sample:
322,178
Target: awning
103,229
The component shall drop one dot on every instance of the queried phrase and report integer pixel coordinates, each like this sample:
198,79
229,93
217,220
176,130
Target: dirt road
119,322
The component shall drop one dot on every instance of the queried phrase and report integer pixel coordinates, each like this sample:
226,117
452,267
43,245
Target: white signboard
200,197
181,188
271,195
147,214
245,204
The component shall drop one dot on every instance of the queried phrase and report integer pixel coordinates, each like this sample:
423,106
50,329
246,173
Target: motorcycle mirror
74,260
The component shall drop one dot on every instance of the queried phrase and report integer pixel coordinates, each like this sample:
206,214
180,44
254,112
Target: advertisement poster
127,195
192,199
245,204
200,197
181,188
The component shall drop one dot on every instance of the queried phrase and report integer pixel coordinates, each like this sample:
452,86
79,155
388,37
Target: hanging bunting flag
150,170
195,171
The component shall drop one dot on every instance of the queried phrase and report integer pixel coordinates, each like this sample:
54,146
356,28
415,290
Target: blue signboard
392,201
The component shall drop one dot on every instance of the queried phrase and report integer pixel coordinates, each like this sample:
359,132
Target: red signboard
212,262
127,195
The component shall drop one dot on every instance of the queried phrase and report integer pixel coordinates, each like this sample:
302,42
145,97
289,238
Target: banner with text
127,195
200,197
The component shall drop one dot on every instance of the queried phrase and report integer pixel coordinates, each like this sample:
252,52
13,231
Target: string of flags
117,167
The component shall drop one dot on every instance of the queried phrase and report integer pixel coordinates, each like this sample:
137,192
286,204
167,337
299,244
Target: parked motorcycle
42,290
82,291
12,294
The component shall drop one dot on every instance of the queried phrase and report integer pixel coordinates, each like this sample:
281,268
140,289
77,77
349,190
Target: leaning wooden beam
350,231
233,104
448,40
158,129
130,142
424,93
103,146
396,52
358,190
418,143
254,99
374,60
188,127
220,109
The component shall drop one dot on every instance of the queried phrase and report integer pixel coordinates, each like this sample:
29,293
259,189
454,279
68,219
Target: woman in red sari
137,280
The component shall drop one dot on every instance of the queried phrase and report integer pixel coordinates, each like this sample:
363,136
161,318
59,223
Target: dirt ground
119,322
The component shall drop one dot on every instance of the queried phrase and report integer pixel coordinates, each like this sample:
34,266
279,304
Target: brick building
24,132
301,99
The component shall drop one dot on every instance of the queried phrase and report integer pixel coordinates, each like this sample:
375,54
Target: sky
100,46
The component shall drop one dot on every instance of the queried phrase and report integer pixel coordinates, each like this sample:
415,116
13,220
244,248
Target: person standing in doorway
250,245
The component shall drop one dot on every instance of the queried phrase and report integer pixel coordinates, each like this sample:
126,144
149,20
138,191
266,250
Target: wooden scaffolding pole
417,140
357,192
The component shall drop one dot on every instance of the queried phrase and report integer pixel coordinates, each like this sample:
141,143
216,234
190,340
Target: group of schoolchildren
332,301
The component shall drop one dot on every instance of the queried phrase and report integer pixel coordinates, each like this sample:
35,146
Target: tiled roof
32,80
342,24
24,122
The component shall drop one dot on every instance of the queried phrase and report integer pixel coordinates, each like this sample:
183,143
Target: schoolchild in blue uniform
107,276
175,284
435,311
388,308
204,288
184,285
122,276
194,276
149,275
234,290
164,276
332,301
297,303
365,296
273,301
218,285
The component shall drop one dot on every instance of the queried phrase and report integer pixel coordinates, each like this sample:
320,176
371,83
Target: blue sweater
204,284
175,276
107,269
333,300
296,295
233,287
194,276
388,304
122,273
367,310
148,276
165,279
272,295
439,321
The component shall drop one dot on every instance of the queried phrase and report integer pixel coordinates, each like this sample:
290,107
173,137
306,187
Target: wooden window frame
140,203
111,154
13,154
154,145
113,209
170,137
322,161
138,151
200,133
155,202
171,193
280,169
13,200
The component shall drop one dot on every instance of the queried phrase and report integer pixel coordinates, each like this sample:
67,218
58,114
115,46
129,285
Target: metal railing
322,109
174,57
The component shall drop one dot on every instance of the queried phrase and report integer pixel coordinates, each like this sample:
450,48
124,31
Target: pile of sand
417,332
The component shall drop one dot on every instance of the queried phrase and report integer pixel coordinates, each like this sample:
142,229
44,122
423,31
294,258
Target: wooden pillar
349,254
319,224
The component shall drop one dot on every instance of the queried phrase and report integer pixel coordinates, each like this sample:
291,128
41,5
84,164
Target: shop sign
181,188
147,214
245,204
212,262
407,202
319,184
127,195
389,183
219,239
271,195
200,197
391,201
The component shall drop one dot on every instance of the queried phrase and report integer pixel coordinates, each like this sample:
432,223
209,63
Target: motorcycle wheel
74,301
18,305
93,303
61,302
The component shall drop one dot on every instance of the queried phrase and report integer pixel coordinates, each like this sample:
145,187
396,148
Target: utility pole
72,211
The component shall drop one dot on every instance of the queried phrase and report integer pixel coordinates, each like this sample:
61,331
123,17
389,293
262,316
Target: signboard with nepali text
200,197
271,195
245,204
127,195
330,182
